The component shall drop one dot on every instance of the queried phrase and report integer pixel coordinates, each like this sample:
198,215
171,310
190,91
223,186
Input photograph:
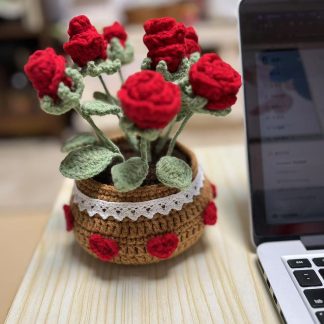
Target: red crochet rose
79,24
85,43
115,30
68,218
216,81
148,100
165,40
104,248
45,69
163,246
191,41
210,214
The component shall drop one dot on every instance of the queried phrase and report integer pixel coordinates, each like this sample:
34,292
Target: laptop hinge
313,242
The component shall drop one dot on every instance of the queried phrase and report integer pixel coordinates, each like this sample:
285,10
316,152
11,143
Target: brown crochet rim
132,237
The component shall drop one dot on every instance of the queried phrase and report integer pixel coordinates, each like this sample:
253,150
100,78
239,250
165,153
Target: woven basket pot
121,228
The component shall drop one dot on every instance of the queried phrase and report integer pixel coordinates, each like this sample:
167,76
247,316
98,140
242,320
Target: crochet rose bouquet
175,83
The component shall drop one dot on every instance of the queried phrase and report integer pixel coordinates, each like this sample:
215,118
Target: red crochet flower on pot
69,220
210,214
165,40
104,248
85,43
148,100
115,30
191,41
214,190
215,80
45,69
163,246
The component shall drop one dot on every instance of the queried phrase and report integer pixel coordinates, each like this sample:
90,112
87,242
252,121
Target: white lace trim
133,210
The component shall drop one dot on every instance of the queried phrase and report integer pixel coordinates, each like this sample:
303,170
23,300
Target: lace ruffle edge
133,210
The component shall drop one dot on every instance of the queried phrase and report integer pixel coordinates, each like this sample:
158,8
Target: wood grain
217,281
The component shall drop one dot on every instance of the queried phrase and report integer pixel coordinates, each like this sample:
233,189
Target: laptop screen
284,105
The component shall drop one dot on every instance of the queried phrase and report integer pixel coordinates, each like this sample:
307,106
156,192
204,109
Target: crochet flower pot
146,225
141,198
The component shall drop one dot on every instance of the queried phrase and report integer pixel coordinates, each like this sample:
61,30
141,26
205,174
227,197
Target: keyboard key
319,262
315,297
307,278
321,271
299,263
320,317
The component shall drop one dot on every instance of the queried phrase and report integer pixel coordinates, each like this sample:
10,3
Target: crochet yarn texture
165,40
46,70
135,210
215,80
148,100
85,43
115,30
131,236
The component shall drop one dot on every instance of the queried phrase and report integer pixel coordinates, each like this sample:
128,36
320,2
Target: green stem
108,94
132,140
149,154
101,136
121,76
180,129
145,149
162,141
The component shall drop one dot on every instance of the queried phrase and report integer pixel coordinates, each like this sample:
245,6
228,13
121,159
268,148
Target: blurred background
30,139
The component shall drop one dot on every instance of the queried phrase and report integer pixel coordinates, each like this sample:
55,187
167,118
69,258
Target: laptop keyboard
307,273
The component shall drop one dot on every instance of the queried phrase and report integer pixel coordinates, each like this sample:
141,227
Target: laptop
282,49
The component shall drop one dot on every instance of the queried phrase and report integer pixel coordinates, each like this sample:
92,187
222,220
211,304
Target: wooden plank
217,281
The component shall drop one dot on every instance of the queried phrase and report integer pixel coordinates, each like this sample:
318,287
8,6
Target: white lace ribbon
133,210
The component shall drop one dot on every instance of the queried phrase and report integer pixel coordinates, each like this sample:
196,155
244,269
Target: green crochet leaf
96,68
99,108
87,162
194,57
177,76
146,64
130,174
100,96
117,51
78,141
77,78
217,113
69,98
130,128
173,172
185,107
47,104
197,104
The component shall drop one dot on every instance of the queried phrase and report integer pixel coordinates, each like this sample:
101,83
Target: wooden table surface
216,281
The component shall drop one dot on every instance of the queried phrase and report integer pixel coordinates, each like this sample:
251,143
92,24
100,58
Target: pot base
132,237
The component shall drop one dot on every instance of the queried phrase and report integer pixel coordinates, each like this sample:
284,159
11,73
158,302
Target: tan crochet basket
132,236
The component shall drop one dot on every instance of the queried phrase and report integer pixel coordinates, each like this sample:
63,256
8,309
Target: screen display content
284,98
